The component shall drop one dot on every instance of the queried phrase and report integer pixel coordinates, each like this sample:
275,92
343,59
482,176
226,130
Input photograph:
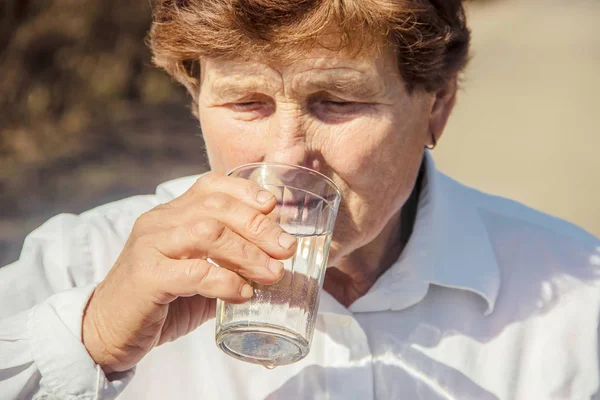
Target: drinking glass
275,327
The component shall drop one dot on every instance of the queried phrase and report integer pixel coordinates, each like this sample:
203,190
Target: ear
444,101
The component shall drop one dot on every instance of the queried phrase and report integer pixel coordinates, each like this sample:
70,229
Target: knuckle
163,206
143,223
152,221
208,179
209,230
216,201
197,271
225,278
259,224
248,251
212,277
199,187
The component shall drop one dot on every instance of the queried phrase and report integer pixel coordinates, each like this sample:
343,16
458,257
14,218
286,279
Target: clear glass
275,327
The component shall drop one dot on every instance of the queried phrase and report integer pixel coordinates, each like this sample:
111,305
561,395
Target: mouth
303,214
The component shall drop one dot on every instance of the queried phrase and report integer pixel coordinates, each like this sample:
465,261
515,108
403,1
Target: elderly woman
433,290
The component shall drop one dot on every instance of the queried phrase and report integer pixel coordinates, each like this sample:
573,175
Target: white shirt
489,300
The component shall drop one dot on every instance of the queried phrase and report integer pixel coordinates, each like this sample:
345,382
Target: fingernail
263,196
275,267
286,240
247,291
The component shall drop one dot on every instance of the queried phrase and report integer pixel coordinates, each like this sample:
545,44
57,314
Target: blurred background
85,118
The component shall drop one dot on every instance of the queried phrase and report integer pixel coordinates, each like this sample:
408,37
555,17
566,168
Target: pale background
85,118
527,122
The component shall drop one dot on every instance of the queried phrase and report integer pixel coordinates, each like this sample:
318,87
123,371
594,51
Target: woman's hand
162,286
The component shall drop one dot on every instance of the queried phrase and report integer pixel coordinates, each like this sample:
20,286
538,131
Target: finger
209,238
252,225
246,191
246,221
184,278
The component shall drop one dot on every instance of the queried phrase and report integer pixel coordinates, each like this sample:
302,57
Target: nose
287,138
288,153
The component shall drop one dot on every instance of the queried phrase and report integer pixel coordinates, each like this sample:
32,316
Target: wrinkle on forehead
360,78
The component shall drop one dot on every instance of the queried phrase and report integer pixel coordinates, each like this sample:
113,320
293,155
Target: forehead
317,68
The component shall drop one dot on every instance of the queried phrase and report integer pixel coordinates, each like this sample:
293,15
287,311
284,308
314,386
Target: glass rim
279,164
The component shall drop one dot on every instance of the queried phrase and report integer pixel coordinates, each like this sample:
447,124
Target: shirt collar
449,247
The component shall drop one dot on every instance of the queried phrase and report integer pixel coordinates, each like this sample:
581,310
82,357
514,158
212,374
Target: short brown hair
431,37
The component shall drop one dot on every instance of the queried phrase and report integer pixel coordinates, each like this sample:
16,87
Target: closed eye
246,105
252,107
339,107
337,103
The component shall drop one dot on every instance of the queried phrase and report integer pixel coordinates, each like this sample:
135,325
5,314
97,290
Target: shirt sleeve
42,298
43,356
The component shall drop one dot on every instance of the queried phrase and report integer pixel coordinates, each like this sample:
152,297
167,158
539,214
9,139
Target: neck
359,271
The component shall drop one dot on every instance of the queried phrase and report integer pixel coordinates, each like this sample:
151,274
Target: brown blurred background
85,118
527,121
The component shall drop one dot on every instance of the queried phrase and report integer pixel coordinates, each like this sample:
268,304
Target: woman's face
351,119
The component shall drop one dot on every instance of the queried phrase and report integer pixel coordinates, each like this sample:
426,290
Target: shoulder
542,259
137,205
526,241
502,214
92,240
76,250
122,213
549,270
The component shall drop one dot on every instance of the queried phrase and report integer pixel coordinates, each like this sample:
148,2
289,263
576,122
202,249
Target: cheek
372,150
230,142
375,161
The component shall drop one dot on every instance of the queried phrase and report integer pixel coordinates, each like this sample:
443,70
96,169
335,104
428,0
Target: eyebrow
350,83
237,86
347,83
